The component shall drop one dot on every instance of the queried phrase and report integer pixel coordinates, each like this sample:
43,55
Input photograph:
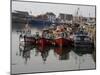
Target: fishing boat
62,42
82,39
44,40
61,38
27,39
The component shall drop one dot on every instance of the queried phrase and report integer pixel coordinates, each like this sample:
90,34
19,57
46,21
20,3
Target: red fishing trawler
63,42
44,39
43,42
61,38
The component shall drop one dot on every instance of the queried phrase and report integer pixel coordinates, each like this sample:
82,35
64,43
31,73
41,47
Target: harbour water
54,59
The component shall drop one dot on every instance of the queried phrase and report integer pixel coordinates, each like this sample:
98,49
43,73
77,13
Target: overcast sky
42,8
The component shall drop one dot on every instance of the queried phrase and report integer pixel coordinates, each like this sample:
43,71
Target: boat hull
43,42
63,42
27,40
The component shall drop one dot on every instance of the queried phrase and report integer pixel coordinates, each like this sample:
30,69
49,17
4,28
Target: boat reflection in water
63,52
83,50
24,51
44,51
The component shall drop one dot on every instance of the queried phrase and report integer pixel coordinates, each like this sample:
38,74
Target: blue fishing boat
82,39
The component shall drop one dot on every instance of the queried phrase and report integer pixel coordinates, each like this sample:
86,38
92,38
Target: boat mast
77,14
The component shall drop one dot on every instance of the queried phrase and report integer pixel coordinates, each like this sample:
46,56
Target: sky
35,8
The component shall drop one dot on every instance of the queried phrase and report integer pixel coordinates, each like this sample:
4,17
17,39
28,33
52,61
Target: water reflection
44,50
83,50
30,58
63,52
24,51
